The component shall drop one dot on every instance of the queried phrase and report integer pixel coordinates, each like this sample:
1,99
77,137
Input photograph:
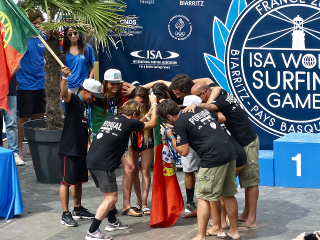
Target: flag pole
50,50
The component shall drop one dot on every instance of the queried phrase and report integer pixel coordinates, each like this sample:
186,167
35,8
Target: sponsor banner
265,52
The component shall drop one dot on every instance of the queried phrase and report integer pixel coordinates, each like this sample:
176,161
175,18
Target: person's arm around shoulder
215,92
193,106
64,84
149,85
154,118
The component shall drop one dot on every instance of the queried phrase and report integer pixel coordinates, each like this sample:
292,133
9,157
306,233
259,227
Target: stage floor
283,213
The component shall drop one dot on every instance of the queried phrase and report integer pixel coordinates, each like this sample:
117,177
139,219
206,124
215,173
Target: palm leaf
102,19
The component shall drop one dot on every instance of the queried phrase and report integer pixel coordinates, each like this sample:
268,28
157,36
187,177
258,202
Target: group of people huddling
205,124
212,134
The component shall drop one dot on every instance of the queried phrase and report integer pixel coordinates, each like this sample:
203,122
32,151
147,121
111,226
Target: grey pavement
283,213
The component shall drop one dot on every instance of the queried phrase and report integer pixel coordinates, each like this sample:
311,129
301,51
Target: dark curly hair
33,15
182,82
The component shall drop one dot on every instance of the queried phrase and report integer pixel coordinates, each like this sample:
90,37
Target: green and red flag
167,201
15,31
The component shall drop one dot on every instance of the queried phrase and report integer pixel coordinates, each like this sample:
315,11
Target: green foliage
102,19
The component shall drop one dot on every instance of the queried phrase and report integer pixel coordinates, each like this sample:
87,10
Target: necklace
112,105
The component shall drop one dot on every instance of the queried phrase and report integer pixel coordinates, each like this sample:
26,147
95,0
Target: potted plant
102,19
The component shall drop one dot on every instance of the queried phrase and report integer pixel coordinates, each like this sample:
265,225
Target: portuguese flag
167,202
15,31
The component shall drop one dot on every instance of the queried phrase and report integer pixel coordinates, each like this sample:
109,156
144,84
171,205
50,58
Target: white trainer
18,160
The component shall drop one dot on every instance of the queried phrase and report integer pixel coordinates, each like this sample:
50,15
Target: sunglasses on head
74,33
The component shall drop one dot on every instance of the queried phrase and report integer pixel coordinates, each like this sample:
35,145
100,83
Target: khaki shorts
216,182
250,175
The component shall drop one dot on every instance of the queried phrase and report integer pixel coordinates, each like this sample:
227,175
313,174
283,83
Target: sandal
128,213
137,207
145,211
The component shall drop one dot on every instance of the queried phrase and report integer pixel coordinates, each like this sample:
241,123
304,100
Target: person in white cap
73,146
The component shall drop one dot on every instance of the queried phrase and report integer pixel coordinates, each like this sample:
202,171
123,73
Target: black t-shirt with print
205,137
237,121
111,142
74,138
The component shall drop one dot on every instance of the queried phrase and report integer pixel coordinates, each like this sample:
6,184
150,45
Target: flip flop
128,213
246,228
146,209
209,234
226,236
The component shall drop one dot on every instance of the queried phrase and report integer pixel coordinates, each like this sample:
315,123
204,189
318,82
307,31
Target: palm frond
102,19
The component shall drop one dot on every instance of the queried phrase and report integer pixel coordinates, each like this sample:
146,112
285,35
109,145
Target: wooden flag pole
50,50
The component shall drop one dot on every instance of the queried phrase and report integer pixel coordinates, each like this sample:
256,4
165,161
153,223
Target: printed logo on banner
155,59
179,27
268,56
134,28
192,3
147,1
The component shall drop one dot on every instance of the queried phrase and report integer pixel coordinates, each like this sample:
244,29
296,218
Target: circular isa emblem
272,63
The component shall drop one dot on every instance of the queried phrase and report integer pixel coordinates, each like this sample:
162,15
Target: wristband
154,104
197,104
170,138
147,117
65,78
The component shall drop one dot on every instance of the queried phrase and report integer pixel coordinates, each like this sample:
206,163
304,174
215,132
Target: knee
145,172
130,169
112,199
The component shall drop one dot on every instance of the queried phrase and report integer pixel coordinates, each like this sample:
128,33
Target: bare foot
198,238
242,218
190,215
244,227
28,152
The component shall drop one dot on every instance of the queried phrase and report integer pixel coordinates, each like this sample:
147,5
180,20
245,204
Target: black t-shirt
237,121
205,137
111,142
74,138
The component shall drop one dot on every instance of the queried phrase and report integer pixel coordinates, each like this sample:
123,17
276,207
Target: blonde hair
130,107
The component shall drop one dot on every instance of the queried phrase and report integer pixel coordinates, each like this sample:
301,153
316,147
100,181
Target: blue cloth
10,194
79,66
31,76
11,124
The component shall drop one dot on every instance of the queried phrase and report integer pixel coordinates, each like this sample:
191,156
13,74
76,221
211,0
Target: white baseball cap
190,99
113,76
93,86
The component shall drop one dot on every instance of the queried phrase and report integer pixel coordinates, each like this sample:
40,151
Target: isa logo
268,57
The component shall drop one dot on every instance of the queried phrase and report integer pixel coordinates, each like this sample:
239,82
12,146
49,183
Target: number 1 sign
296,160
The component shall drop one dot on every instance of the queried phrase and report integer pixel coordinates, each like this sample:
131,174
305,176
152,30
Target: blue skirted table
10,194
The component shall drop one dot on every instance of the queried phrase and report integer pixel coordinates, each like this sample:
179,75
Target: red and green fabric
167,201
15,31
